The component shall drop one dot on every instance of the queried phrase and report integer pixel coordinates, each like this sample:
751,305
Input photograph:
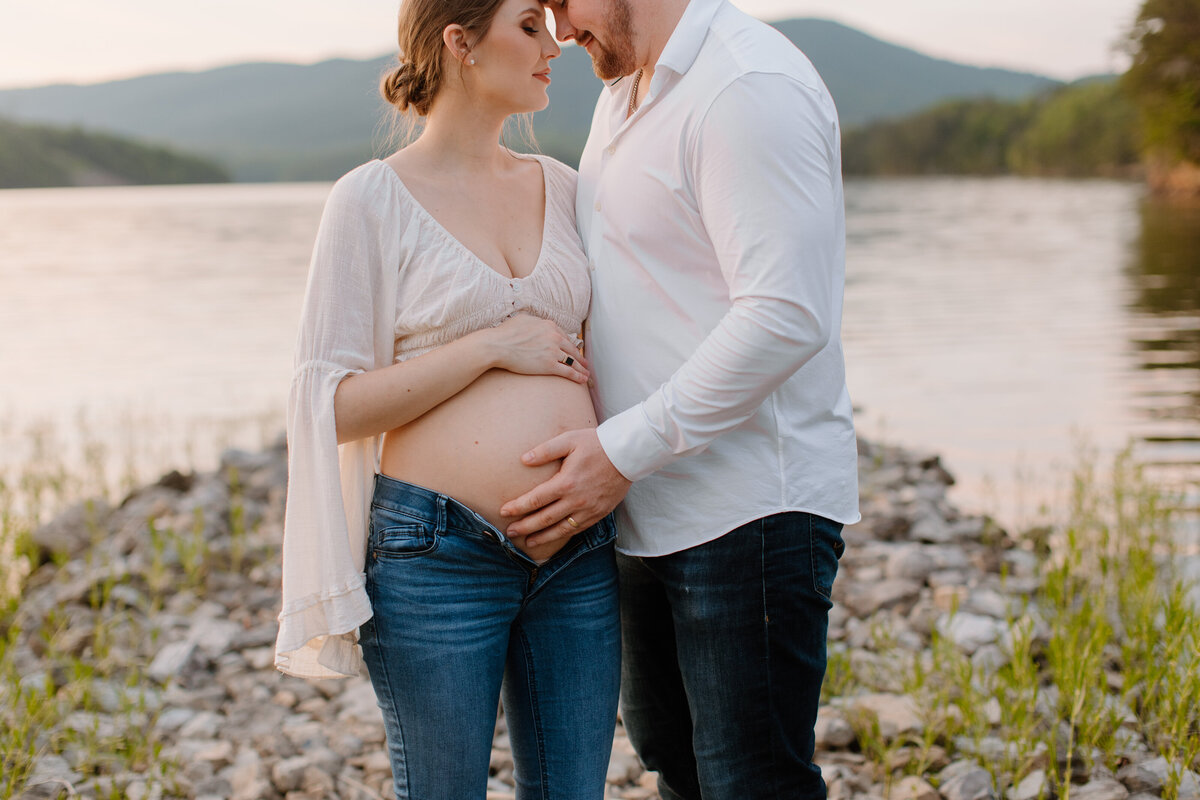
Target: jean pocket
393,536
826,545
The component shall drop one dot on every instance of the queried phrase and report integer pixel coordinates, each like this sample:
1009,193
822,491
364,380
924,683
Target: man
710,203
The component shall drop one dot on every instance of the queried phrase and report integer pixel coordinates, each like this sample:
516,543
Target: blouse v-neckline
471,254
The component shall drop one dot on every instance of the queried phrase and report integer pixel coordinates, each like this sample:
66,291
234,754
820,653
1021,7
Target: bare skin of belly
470,446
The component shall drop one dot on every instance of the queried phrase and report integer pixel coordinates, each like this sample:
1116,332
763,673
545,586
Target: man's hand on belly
586,487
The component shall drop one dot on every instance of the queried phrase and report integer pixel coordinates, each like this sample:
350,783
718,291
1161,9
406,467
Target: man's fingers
544,453
541,520
529,502
561,530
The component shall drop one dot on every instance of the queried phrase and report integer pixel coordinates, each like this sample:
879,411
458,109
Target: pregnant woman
438,342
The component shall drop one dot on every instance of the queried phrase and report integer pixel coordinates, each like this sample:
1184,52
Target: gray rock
910,562
248,777
989,658
204,725
53,770
912,787
623,764
969,529
891,593
932,528
1021,563
1101,788
1147,776
989,603
288,775
971,631
171,660
1032,787
897,714
833,731
1189,786
214,637
973,783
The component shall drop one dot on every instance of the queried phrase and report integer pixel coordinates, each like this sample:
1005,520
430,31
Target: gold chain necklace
637,79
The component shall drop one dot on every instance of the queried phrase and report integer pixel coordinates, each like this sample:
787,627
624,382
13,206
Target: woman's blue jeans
462,617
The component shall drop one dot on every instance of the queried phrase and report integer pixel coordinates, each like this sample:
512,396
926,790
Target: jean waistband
447,513
425,504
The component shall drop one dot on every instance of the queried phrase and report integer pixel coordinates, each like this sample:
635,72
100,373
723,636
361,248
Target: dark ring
568,361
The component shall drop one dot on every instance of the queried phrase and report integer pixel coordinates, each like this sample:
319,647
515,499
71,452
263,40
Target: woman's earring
471,61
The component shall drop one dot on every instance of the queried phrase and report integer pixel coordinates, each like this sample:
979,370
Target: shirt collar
684,44
688,36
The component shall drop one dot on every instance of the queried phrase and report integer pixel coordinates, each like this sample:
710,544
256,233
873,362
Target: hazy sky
45,41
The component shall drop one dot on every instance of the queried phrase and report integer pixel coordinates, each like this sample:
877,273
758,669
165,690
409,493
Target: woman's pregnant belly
470,446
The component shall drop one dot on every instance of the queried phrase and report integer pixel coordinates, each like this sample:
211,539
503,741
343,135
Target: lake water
998,322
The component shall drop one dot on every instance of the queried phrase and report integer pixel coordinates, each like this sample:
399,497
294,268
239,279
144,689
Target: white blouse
387,283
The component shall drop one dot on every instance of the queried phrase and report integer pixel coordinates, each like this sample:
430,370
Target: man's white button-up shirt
714,218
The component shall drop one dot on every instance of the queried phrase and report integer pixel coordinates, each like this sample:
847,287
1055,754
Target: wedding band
568,360
571,521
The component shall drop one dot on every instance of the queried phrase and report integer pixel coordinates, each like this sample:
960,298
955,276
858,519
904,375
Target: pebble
913,788
970,782
1100,788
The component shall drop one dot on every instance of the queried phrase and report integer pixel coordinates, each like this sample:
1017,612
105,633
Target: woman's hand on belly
530,345
370,403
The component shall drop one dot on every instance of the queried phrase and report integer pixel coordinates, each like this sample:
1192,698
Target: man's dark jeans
723,658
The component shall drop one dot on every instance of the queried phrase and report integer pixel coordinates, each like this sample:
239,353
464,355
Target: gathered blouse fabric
387,283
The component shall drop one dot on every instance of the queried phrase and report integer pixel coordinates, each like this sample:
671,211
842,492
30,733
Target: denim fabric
463,618
723,659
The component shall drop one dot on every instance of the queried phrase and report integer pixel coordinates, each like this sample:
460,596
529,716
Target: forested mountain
41,155
285,121
1089,129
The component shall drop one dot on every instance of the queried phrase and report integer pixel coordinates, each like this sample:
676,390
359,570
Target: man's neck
658,20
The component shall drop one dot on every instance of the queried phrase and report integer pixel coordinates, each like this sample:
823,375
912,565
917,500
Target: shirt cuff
632,445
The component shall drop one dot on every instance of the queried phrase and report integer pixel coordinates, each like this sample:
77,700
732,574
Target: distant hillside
40,155
872,80
1087,129
291,122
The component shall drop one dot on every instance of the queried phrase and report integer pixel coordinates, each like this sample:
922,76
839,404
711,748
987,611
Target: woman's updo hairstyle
416,81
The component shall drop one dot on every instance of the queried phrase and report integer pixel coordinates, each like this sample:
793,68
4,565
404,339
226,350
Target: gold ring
571,521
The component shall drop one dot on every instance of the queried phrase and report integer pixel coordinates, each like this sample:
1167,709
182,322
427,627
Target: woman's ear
455,38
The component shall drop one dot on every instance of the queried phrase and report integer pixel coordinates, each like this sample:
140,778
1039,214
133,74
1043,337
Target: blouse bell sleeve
347,326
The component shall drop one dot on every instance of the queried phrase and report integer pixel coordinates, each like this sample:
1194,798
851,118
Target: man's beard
618,59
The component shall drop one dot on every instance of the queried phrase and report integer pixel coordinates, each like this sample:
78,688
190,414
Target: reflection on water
1164,270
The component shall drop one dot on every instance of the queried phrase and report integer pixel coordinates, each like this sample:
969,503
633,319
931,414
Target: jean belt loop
442,501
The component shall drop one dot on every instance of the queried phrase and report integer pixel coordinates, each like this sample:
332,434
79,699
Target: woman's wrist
485,346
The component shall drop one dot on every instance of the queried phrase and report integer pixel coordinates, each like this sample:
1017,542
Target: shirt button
592,266
612,148
597,206
516,287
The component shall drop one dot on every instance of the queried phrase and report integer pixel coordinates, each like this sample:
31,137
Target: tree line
42,155
1145,121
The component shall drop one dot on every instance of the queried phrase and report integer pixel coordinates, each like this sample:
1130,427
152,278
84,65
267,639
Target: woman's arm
369,403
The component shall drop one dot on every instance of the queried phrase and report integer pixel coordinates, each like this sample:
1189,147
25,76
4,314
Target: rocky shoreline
170,598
